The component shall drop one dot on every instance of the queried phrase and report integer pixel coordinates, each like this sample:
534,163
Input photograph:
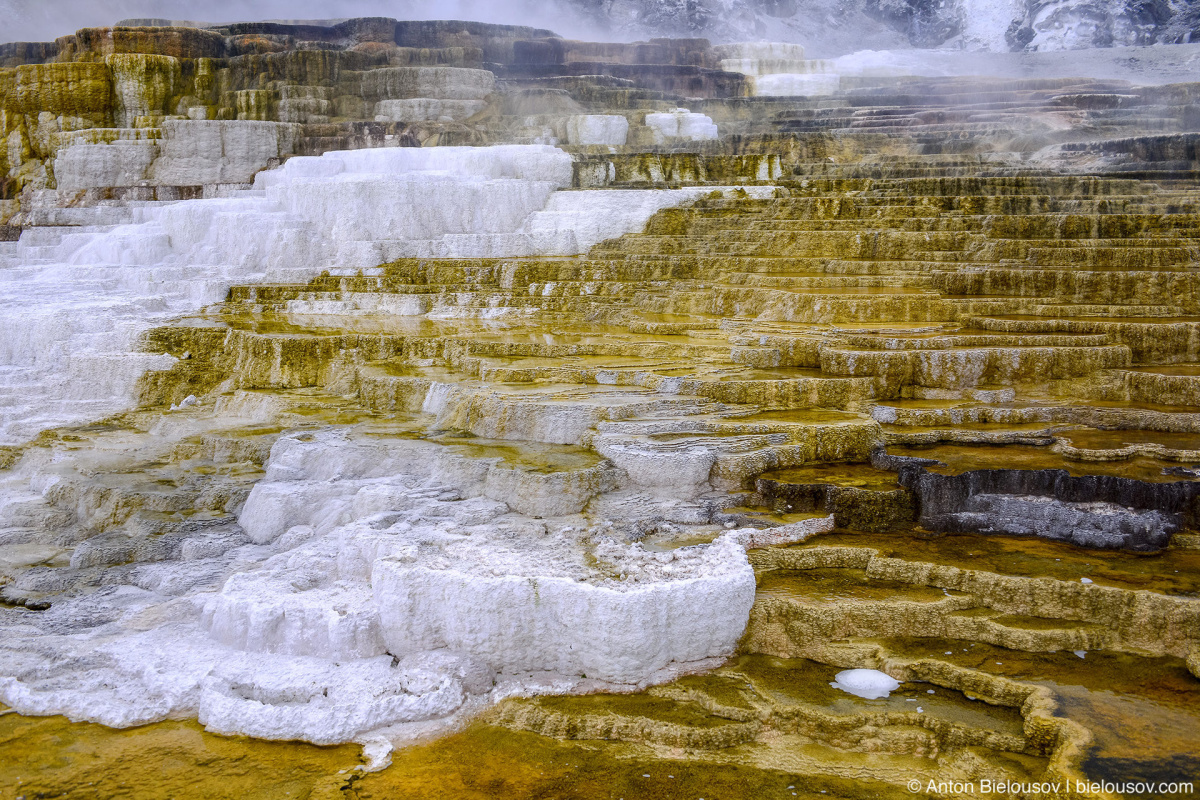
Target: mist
45,20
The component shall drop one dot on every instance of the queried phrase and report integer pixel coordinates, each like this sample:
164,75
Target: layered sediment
369,381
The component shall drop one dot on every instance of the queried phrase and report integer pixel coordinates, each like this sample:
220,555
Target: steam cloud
43,20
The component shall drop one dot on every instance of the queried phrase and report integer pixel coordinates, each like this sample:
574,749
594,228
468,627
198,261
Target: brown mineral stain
44,757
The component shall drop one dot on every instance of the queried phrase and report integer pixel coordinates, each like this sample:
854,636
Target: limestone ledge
715,718
373,583
1092,616
296,221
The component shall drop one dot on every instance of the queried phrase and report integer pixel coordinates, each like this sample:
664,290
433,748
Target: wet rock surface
1090,511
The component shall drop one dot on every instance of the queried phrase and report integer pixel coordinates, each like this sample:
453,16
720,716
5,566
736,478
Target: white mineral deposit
635,399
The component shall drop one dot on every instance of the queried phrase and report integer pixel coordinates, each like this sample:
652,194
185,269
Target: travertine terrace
382,382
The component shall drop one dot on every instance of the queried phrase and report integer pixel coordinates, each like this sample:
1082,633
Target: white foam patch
867,683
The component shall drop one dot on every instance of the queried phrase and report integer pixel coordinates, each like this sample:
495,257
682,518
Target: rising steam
42,20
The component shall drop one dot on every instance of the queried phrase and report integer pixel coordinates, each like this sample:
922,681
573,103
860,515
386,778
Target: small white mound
610,129
681,124
867,683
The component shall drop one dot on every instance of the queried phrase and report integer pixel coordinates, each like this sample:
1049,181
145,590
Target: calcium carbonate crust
70,335
377,591
372,590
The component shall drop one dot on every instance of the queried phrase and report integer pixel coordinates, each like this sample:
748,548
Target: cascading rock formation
464,392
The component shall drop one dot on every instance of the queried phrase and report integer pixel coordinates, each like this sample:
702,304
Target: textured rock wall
355,209
1091,511
170,42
